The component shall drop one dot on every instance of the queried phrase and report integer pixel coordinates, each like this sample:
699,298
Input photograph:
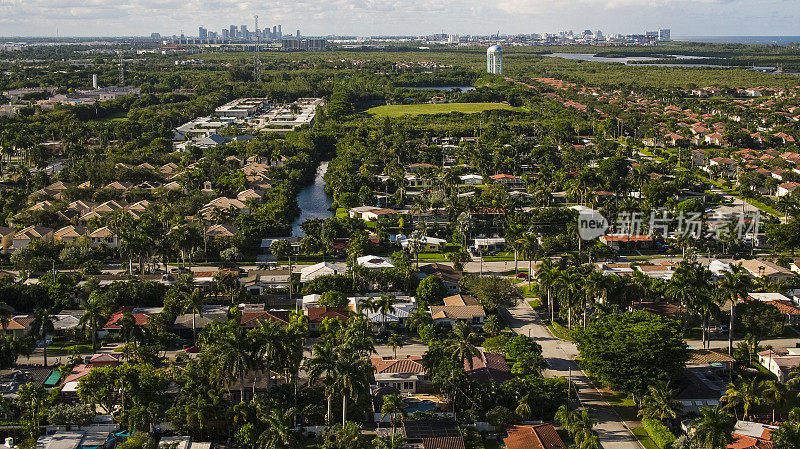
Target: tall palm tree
546,277
94,314
322,364
776,394
745,393
193,302
528,245
660,403
714,428
392,407
41,327
385,305
233,357
351,378
270,346
462,344
595,286
730,287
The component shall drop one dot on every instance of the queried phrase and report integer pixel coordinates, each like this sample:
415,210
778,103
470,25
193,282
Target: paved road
560,355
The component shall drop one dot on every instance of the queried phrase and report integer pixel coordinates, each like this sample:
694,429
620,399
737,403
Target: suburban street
560,355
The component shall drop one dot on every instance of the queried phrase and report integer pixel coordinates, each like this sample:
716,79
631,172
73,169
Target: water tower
494,60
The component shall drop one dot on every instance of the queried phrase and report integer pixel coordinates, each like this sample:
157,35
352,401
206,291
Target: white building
494,60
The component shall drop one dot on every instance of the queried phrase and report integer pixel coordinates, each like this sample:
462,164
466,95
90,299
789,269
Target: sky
395,17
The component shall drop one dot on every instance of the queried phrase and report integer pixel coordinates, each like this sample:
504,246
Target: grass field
396,110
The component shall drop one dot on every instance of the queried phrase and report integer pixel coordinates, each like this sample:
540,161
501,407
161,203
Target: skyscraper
280,33
298,34
664,34
202,33
494,60
274,31
232,34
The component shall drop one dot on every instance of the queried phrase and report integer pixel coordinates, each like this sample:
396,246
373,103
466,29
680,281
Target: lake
630,59
313,201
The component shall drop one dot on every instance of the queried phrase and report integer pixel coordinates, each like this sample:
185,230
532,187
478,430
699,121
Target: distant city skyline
68,18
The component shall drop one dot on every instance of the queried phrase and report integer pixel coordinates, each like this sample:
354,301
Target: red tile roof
317,314
443,443
115,323
251,319
408,365
488,367
540,436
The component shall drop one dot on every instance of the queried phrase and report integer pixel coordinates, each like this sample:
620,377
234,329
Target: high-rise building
202,33
155,35
280,33
243,33
233,33
651,34
494,60
298,34
226,34
274,30
664,34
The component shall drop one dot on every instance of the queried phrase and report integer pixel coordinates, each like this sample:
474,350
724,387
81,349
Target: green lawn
560,331
396,110
68,348
535,303
644,438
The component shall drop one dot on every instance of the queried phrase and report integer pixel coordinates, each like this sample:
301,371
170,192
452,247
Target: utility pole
257,62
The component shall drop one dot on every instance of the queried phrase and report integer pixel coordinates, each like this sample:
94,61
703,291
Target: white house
311,272
471,180
374,262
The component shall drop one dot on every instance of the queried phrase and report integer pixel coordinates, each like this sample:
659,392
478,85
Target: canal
313,201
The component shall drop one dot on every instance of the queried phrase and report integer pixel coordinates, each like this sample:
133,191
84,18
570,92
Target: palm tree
269,338
194,302
660,403
385,305
41,327
730,287
776,394
523,409
280,431
351,378
395,341
528,245
322,364
233,357
547,276
462,346
745,393
714,428
94,314
392,406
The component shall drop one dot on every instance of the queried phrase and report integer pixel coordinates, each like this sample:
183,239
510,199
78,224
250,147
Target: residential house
374,262
752,435
726,167
508,180
222,231
458,308
471,180
487,367
537,436
210,314
405,375
311,272
761,268
450,277
378,213
317,315
625,241
69,234
24,237
103,236
427,244
6,238
250,318
780,361
787,188
257,281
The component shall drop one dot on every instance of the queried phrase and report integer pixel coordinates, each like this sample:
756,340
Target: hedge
659,433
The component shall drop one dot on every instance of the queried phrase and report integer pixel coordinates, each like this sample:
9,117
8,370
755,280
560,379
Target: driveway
561,355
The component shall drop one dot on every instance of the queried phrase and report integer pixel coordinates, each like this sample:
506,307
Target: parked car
522,275
192,350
